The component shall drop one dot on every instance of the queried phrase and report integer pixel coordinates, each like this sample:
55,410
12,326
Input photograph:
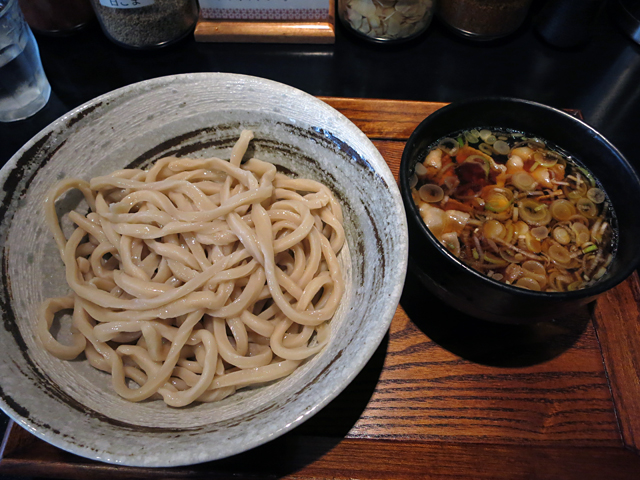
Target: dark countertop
600,78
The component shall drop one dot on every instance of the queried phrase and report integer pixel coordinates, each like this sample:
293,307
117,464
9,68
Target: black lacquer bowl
470,291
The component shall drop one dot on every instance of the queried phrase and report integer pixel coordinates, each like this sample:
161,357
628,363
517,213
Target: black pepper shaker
143,24
567,23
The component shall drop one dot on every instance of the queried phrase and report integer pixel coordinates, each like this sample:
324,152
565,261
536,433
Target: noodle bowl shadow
475,294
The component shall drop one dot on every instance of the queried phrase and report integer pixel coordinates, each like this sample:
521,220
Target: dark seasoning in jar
146,23
484,19
56,17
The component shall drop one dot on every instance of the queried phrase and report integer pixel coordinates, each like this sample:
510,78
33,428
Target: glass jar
483,19
24,88
57,17
144,24
386,20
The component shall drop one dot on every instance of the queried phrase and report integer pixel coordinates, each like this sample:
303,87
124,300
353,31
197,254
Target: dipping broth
516,208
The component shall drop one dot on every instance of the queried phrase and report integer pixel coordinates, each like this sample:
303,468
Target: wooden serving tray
445,395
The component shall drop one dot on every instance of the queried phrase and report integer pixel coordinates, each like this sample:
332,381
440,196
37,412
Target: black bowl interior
583,143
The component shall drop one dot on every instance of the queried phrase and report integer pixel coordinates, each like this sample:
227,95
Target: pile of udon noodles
197,277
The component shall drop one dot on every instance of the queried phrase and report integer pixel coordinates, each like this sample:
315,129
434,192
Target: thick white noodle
197,277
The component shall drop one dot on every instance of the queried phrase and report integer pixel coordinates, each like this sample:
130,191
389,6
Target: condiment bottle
483,19
144,24
56,17
386,20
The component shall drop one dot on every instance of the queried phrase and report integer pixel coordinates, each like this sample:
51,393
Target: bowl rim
412,209
373,341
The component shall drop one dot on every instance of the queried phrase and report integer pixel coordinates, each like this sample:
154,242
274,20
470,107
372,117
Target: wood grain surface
262,32
256,31
617,320
445,395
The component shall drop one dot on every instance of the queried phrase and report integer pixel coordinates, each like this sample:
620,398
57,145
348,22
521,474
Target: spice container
146,23
483,19
57,17
386,20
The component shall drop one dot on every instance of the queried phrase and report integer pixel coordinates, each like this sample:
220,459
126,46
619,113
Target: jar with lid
144,24
57,17
483,19
386,21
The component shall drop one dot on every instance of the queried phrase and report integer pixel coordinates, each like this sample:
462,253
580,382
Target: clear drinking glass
24,88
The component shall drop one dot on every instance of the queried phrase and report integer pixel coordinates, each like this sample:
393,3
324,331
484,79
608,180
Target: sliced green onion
559,254
561,235
431,193
529,212
524,181
492,209
574,286
562,209
587,174
494,260
547,159
449,146
484,134
590,248
540,233
486,149
496,202
536,143
471,138
587,208
501,147
596,195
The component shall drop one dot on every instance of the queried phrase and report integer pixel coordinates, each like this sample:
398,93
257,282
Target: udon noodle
517,209
197,277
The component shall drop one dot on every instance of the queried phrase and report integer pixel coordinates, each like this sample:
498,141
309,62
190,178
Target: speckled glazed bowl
72,405
474,293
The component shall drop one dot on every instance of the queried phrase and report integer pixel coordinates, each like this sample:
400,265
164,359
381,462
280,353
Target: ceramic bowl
70,404
476,294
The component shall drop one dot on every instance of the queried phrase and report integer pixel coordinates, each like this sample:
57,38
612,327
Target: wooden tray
445,395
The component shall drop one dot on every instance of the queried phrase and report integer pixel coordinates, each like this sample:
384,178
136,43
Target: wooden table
445,395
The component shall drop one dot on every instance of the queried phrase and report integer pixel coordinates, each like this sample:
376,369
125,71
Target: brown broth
516,208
